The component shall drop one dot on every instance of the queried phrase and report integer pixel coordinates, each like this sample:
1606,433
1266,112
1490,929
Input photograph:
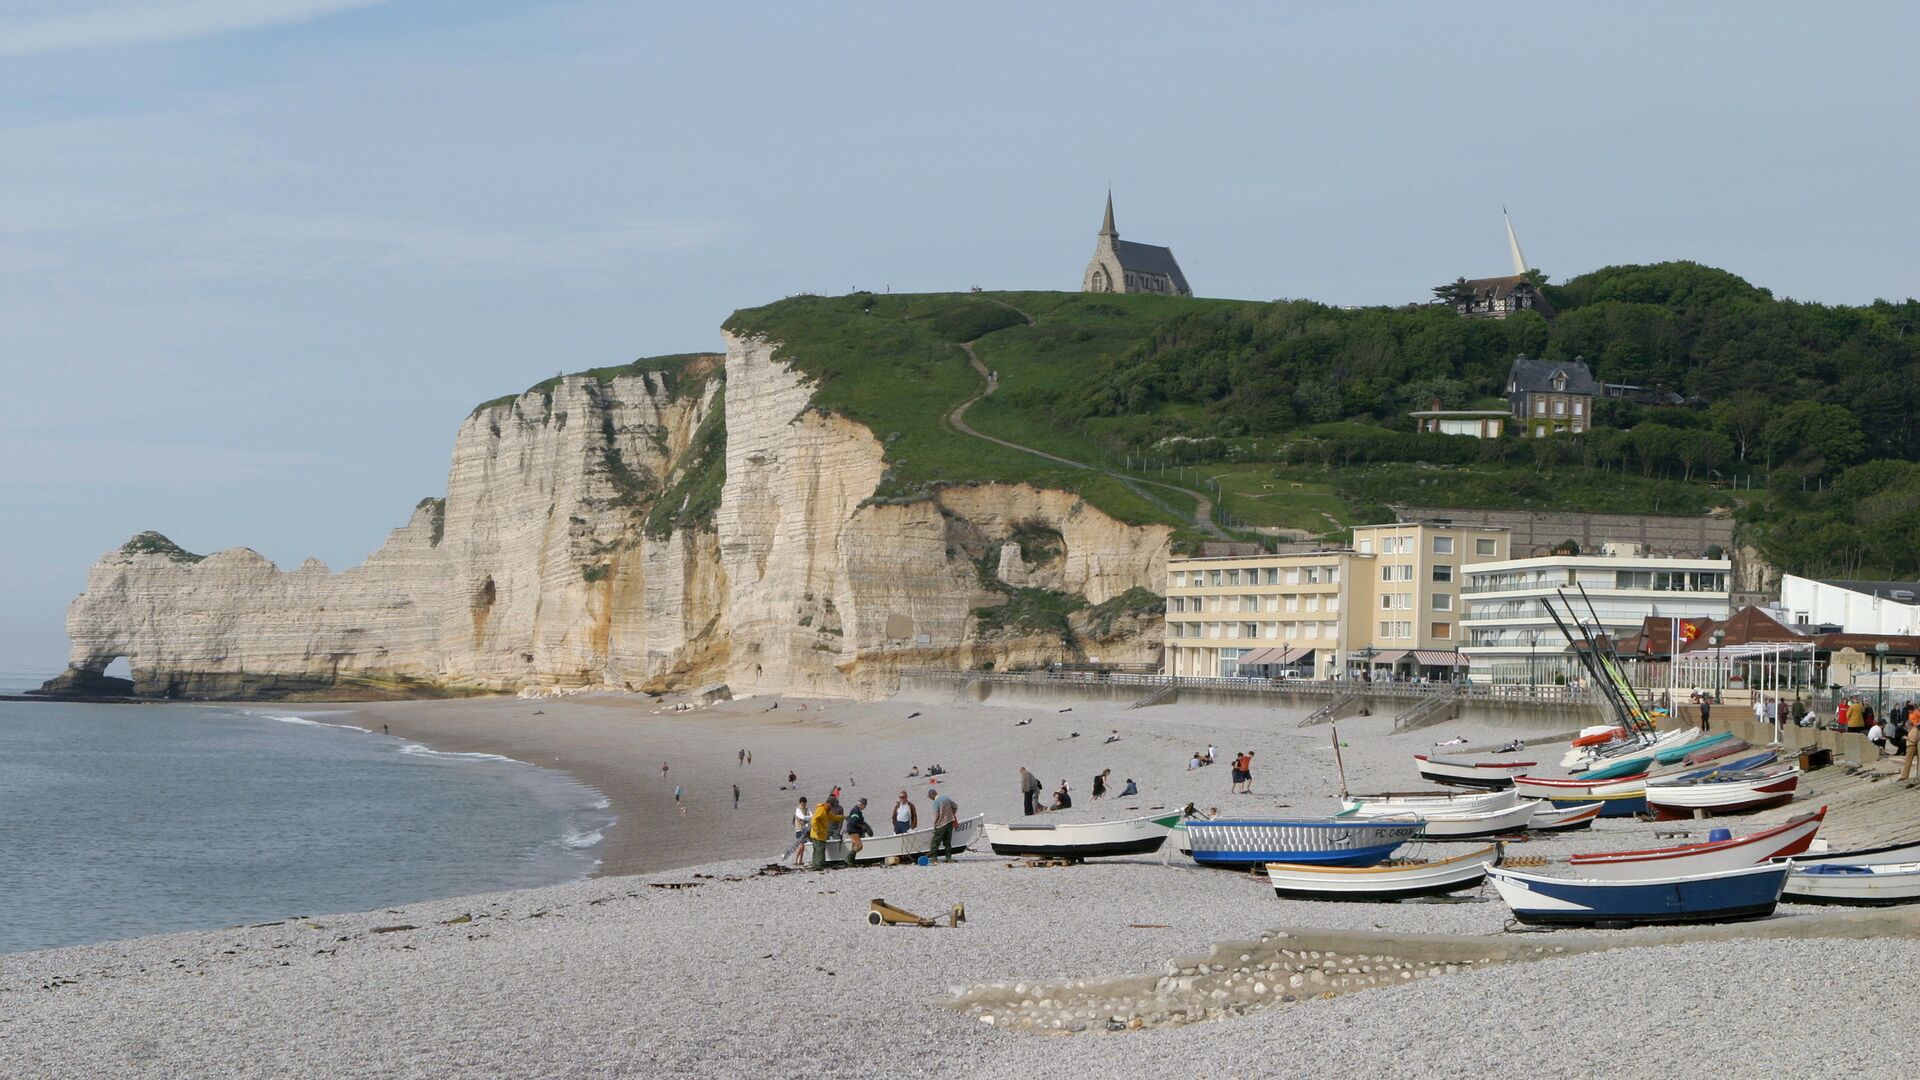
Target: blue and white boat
1316,841
1738,765
1630,766
1724,896
1668,755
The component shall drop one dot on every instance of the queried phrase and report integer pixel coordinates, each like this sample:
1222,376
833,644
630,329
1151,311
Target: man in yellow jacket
818,829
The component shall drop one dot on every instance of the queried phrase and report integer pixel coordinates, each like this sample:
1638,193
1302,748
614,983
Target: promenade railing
1546,694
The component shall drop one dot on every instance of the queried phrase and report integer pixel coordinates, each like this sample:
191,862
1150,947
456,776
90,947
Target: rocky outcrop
669,525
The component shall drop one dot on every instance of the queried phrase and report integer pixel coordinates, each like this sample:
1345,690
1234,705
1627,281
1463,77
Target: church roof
1490,289
1536,376
1150,259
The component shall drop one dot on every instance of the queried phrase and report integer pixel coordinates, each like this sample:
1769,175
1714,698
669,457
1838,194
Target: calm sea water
123,820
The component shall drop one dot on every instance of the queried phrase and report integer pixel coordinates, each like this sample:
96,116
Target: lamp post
1880,661
1719,664
1533,670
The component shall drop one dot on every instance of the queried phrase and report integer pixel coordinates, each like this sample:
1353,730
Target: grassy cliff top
684,372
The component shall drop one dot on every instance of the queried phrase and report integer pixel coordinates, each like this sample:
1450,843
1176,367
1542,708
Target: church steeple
1106,226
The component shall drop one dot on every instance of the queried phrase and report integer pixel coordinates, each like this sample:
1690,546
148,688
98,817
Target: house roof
1536,376
1905,592
1747,626
1489,289
1897,644
1150,259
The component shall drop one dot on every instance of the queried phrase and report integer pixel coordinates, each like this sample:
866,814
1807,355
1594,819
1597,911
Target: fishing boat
1858,885
1455,823
1724,793
1749,892
907,846
1393,880
1621,797
1321,841
1613,770
1719,751
1670,754
1789,838
1551,818
1420,802
1468,772
1089,840
1749,763
1904,852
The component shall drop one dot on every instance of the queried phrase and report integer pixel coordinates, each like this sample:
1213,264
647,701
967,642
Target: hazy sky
259,257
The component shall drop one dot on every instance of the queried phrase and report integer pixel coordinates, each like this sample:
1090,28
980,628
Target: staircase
1431,710
1159,695
1342,703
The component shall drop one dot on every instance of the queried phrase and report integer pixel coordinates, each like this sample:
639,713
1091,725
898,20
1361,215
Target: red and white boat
1600,736
1468,772
1723,794
1790,838
1546,787
1550,818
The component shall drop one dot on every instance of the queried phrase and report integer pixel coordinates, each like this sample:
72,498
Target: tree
1825,437
1454,294
1743,419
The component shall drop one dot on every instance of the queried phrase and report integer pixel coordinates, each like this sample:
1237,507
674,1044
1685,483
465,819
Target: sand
746,974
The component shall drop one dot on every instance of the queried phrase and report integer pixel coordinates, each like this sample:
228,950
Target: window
1386,601
1333,575
1250,630
1293,602
1559,407
1403,572
1386,573
1213,577
1442,573
1313,631
1442,601
1179,603
1313,602
1579,407
1364,547
1539,406
1273,575
1483,546
1249,603
1293,575
1179,579
1313,575
1443,545
1233,577
1386,630
1333,604
1443,631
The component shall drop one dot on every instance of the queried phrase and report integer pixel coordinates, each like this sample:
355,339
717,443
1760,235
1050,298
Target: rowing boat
1326,841
1724,793
1088,840
1468,772
1454,823
1749,892
1788,838
1856,884
1551,818
1395,880
906,846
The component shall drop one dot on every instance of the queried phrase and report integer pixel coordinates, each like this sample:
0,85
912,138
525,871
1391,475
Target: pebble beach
688,956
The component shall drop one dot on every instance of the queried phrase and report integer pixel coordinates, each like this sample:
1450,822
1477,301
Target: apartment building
1512,637
1297,613
1418,570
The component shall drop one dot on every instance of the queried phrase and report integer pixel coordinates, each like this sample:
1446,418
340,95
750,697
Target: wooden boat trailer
879,911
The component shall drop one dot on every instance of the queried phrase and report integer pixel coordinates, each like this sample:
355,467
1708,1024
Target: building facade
1551,397
1856,607
1122,266
1511,636
1499,297
1479,423
1292,614
1419,568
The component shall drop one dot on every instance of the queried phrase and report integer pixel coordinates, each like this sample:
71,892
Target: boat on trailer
1321,841
1087,840
1471,772
1551,818
1750,892
1788,838
1724,793
906,846
1397,879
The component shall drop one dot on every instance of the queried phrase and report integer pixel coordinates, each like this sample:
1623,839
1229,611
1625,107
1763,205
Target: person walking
905,815
801,816
1029,789
819,828
676,793
1100,783
742,756
857,829
736,796
1706,709
945,813
1913,742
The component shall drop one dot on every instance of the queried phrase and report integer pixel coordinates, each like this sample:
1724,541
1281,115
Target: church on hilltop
1122,266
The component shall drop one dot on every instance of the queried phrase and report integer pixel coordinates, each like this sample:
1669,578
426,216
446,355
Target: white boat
1469,772
1788,838
1724,793
1422,802
1449,823
1551,818
1580,758
907,846
1394,880
1859,884
1906,852
1088,840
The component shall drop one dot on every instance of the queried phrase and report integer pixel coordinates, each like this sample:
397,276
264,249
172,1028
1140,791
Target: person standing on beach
743,756
905,815
676,793
1029,789
663,770
819,828
945,813
1706,709
1100,782
736,796
801,817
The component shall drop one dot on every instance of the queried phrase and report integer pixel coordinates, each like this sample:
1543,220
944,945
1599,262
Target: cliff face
671,527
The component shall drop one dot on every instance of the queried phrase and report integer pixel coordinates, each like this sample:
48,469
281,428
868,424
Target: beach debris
458,919
879,912
676,884
393,929
1149,926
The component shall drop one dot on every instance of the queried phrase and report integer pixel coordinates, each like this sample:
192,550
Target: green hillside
1293,413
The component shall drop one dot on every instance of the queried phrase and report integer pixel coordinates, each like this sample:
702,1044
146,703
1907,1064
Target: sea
124,820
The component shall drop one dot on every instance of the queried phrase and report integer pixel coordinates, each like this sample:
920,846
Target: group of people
1032,802
816,828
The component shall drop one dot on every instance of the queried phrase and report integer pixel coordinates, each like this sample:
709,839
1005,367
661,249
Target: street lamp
1533,670
1719,664
1880,653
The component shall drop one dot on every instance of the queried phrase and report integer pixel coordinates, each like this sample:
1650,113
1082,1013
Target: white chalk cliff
580,544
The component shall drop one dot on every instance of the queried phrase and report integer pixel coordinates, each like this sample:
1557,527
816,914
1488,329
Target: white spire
1513,246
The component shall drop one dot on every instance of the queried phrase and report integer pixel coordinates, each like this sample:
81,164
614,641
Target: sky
258,258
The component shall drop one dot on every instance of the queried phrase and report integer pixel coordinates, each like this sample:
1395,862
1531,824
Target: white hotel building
1511,637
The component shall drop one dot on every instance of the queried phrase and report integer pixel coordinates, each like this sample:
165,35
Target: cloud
145,22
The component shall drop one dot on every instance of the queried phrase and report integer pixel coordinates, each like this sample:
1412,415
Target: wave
304,722
417,750
602,805
582,840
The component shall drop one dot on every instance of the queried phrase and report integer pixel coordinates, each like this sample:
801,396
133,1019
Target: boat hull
1670,754
1294,881
1754,849
1323,843
1462,772
1730,896
1730,796
1554,818
907,845
1090,840
1856,885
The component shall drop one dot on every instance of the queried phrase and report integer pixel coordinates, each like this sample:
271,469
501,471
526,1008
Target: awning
1282,657
1390,656
1438,658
